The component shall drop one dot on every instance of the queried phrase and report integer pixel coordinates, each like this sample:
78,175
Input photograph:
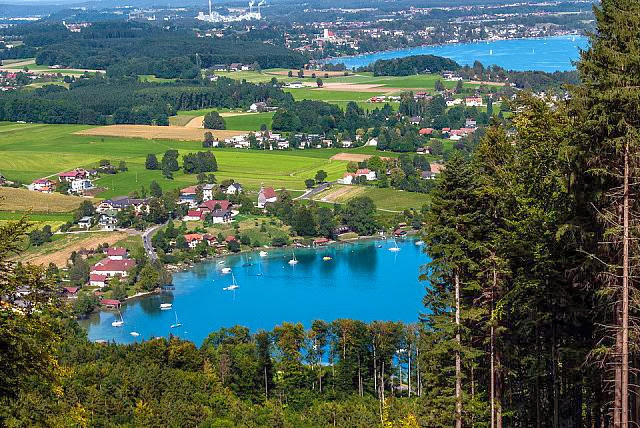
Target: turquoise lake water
545,54
364,281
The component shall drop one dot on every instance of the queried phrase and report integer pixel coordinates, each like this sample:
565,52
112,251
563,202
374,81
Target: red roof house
211,205
117,253
110,267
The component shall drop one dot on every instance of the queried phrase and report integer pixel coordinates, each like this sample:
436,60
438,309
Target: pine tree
606,105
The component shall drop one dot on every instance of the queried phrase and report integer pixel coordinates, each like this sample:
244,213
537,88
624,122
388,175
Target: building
193,239
426,131
43,185
365,172
234,189
73,175
428,175
207,191
110,267
85,222
473,101
194,215
258,107
188,196
212,205
107,222
110,303
266,196
117,253
80,185
347,178
97,280
123,202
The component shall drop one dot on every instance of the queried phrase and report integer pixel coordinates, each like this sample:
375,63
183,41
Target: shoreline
186,267
336,60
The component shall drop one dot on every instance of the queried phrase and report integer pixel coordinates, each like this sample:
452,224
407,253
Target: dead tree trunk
458,415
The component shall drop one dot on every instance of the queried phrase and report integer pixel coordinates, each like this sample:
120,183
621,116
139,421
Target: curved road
146,241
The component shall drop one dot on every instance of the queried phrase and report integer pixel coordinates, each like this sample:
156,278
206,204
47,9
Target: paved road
146,241
312,192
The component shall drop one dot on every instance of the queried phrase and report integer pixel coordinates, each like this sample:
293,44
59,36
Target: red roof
116,251
110,265
193,237
426,131
363,171
191,190
194,213
97,277
110,302
230,238
210,205
320,241
71,290
43,181
446,129
269,193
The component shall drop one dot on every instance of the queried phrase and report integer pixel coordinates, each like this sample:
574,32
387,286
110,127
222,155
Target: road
146,241
312,192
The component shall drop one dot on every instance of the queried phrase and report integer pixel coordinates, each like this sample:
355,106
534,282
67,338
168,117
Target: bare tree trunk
375,370
458,415
624,386
409,379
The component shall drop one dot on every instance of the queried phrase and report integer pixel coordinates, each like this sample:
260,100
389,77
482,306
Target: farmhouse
266,196
365,172
80,185
347,178
43,185
85,222
97,280
258,107
73,175
123,202
473,101
207,191
194,215
107,222
213,205
234,189
117,253
188,196
193,239
110,267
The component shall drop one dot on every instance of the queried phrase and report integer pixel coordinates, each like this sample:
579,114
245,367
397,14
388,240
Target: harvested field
352,87
353,157
59,251
23,200
342,194
180,120
196,122
157,132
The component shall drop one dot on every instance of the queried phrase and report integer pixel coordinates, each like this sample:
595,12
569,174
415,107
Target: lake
545,54
364,281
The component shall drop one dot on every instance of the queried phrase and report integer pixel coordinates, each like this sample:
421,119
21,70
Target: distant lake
545,54
364,281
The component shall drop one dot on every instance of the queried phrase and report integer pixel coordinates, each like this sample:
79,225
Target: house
188,196
117,253
365,172
212,205
295,85
453,102
473,101
80,185
85,222
422,151
347,178
111,267
43,185
415,120
258,107
123,202
221,216
235,66
70,291
373,142
346,144
193,239
97,280
470,123
436,167
428,175
266,196
210,239
73,175
194,215
426,131
107,222
283,145
234,189
110,303
207,191
230,238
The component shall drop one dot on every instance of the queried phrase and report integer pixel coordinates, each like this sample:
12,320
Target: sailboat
165,306
419,242
263,254
395,247
293,261
177,324
326,258
233,286
226,270
118,323
134,334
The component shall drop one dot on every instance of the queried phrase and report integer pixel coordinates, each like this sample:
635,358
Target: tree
321,176
290,73
608,138
122,166
85,304
213,120
151,162
459,87
359,215
148,278
319,82
438,86
155,189
208,140
325,222
309,183
170,161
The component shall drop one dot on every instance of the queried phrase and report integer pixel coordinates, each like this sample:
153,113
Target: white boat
177,324
233,286
134,334
226,270
395,247
419,242
326,258
263,254
165,306
118,323
293,261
